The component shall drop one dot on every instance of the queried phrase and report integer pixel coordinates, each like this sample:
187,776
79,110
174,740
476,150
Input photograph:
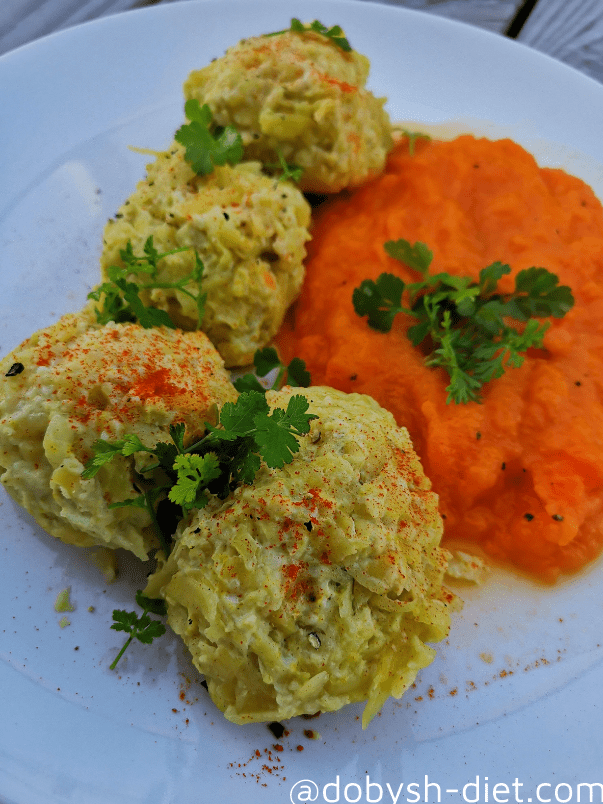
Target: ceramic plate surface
515,694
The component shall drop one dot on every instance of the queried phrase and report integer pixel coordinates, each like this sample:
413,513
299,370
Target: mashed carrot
521,474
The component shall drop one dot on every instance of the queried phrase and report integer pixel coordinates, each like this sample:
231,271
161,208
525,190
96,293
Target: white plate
515,694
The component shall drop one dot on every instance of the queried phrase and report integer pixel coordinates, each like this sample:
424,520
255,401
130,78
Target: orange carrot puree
521,474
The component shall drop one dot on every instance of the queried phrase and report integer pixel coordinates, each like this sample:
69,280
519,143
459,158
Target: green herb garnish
228,455
143,628
335,33
289,172
266,360
120,295
464,322
412,137
206,144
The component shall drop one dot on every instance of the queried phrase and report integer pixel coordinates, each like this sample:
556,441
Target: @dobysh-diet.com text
481,790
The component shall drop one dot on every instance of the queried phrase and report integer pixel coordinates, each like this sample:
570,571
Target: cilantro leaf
289,172
380,300
124,620
195,473
134,502
166,455
105,451
245,467
276,434
120,295
275,440
537,293
228,455
465,323
412,137
490,276
147,317
143,628
177,435
417,256
197,277
335,33
267,360
297,374
238,418
151,604
249,382
207,145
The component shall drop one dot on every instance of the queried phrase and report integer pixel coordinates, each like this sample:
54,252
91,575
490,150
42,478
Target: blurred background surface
568,30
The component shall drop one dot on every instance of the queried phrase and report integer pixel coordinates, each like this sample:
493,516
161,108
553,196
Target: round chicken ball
75,382
301,96
320,584
248,229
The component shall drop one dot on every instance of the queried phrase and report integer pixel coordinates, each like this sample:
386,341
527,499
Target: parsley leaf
105,451
207,145
412,137
381,300
147,317
465,323
143,628
194,473
249,382
297,374
237,419
177,432
120,296
335,33
228,455
289,172
265,361
275,435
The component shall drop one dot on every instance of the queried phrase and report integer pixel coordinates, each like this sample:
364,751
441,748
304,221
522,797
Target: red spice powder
342,85
296,583
155,383
521,474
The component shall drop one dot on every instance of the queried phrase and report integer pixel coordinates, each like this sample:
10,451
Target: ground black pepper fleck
277,729
15,369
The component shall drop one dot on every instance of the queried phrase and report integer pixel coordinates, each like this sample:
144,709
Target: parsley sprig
229,454
265,361
120,295
143,628
289,170
206,144
335,33
412,137
466,323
